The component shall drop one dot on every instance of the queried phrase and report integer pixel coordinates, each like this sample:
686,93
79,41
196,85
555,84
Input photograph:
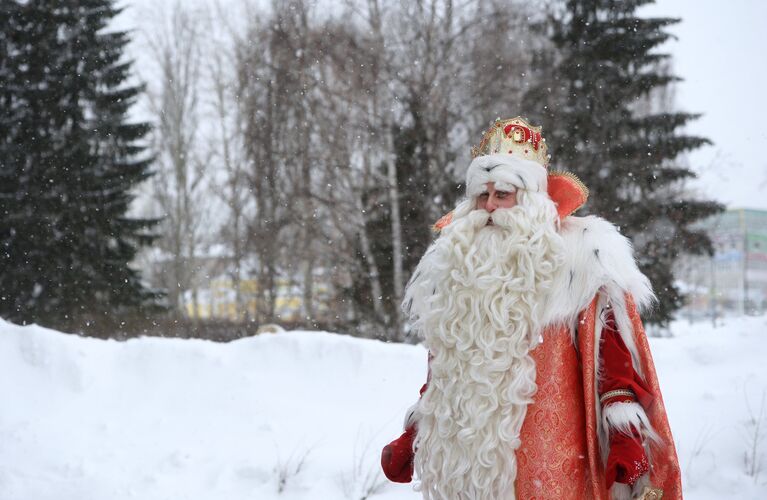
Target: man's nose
490,206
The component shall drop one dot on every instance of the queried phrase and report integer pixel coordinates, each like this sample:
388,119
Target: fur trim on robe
598,259
625,417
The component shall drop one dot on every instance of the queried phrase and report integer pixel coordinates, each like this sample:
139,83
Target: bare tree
178,186
335,143
270,96
427,70
352,165
227,150
384,116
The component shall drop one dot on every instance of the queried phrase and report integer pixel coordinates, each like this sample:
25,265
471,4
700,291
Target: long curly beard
475,299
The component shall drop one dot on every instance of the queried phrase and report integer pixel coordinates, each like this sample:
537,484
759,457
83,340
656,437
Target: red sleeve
617,370
626,461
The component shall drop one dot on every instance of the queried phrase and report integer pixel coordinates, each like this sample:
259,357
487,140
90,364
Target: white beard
475,297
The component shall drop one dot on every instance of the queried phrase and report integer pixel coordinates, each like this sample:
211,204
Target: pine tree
68,159
596,105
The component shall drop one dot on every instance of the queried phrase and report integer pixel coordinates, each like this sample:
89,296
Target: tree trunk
396,238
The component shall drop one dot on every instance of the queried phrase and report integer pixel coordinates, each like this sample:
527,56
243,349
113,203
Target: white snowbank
184,419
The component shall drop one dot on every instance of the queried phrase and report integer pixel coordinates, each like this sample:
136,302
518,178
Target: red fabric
551,459
397,457
617,369
618,399
626,461
567,192
665,472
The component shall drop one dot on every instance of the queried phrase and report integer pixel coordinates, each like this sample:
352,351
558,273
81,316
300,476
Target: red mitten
626,461
397,457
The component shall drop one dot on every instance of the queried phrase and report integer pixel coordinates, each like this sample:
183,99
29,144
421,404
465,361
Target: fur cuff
626,416
410,417
621,491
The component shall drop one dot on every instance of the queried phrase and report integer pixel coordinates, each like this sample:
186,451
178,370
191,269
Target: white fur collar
598,260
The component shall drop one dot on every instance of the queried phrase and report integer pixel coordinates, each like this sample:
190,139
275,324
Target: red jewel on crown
520,133
511,135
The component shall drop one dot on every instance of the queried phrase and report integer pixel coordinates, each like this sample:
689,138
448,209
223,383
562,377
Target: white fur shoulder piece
598,259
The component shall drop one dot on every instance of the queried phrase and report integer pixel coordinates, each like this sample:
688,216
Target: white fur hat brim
505,171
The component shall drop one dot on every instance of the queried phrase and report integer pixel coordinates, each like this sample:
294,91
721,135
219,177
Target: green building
734,280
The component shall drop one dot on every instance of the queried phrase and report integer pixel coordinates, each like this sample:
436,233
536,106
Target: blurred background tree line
287,160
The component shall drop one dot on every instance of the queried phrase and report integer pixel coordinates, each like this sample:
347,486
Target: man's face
492,199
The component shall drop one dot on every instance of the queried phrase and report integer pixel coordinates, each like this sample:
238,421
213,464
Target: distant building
219,300
215,294
734,279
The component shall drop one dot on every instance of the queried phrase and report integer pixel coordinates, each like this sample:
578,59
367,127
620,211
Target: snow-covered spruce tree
599,104
68,158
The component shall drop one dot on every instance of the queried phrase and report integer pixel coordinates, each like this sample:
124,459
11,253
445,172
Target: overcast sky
720,54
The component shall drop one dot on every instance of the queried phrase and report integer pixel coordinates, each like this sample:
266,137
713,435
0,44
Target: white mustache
502,217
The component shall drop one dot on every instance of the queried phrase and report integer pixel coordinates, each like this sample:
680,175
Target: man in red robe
541,384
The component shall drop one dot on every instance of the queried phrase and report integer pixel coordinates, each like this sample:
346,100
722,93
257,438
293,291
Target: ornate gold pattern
649,493
515,136
559,455
586,323
617,392
552,459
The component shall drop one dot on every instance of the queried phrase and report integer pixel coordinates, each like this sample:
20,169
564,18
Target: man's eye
484,195
502,194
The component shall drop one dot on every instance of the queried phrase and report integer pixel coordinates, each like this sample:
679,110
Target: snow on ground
151,418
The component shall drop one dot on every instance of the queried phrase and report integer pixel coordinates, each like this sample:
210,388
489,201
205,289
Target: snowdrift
303,415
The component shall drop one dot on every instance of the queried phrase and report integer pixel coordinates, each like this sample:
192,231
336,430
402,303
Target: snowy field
303,415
